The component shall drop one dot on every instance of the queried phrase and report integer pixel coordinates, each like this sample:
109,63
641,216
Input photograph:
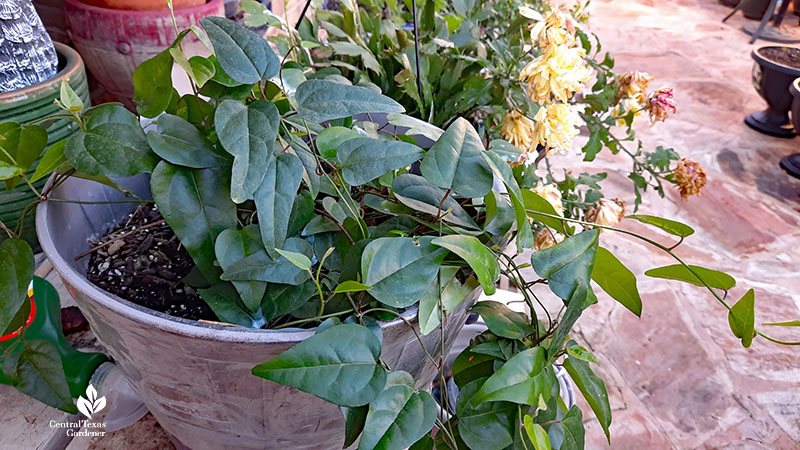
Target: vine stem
399,316
668,251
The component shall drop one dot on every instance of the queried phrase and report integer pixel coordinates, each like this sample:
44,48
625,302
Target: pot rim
209,4
147,317
72,66
772,64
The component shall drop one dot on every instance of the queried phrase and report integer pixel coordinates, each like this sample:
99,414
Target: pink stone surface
677,378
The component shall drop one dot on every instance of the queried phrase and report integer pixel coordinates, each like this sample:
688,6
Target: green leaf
399,416
577,303
576,351
260,266
243,55
469,366
400,269
537,434
22,145
298,259
180,143
37,372
593,390
7,171
419,194
455,162
196,205
198,68
354,419
16,272
617,280
502,170
232,246
248,133
742,318
329,140
535,203
322,100
275,197
574,432
522,379
113,145
69,99
52,159
477,255
351,286
282,299
445,292
488,426
670,226
222,299
568,263
503,321
345,356
152,81
714,278
364,159
415,126
790,323
508,152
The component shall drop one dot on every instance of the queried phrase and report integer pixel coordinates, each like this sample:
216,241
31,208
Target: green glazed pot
31,103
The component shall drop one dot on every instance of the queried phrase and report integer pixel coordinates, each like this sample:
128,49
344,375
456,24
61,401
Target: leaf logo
91,404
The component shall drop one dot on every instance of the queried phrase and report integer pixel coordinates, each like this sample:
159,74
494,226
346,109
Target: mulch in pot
785,56
142,261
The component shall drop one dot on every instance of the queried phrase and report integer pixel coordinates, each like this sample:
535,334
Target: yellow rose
556,126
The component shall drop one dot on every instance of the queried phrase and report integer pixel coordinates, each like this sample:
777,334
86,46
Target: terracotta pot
772,80
31,103
144,5
52,14
195,378
113,42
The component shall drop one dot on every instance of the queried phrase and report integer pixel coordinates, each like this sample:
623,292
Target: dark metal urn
791,163
772,80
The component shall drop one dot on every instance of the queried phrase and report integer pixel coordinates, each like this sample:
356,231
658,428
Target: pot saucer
791,165
756,122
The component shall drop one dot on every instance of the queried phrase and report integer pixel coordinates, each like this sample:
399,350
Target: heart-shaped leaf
364,159
282,299
275,199
445,292
455,162
419,194
567,264
670,226
502,170
21,146
37,372
593,390
487,426
52,159
232,246
742,318
224,301
502,321
399,416
714,278
197,206
400,269
248,133
113,145
617,280
152,82
16,271
522,379
180,143
329,140
477,255
345,356
260,266
243,55
322,100
574,432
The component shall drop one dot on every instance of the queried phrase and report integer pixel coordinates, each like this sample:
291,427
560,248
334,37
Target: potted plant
28,88
115,36
774,70
338,258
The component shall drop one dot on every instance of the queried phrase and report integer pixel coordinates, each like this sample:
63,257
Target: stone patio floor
676,378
